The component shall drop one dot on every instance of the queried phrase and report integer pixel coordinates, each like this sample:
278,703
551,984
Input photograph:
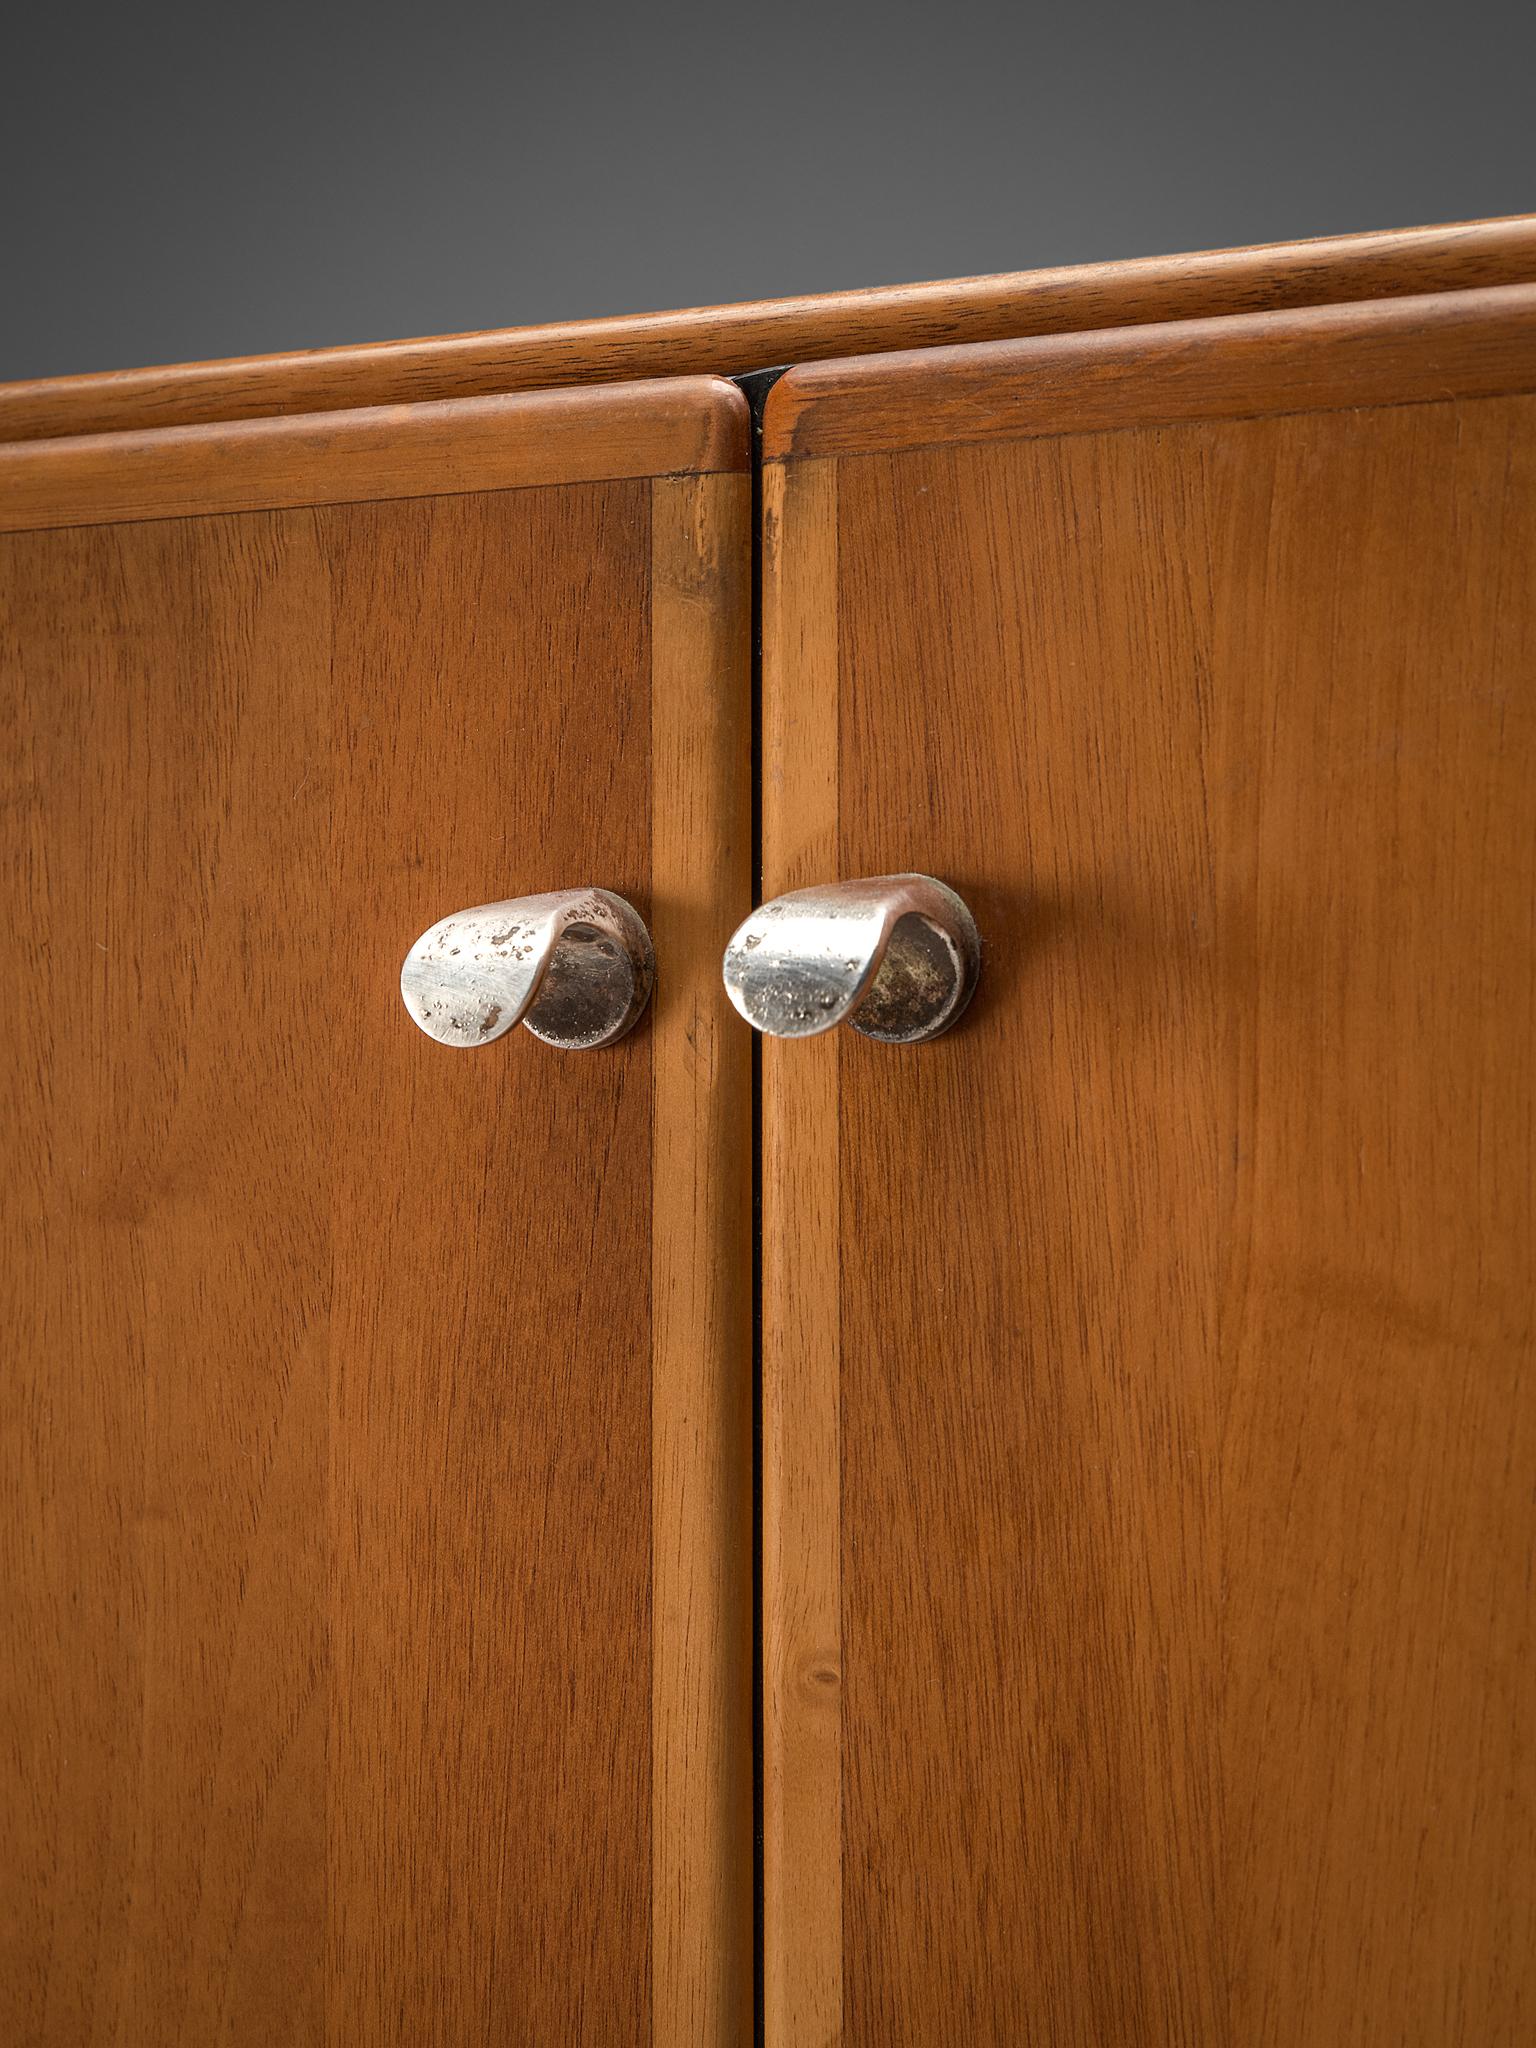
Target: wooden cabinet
1136,1642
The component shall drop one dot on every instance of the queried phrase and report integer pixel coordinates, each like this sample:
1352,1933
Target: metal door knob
896,957
575,967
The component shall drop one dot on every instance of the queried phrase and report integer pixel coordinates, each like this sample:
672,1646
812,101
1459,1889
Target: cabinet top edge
730,339
1409,350
678,426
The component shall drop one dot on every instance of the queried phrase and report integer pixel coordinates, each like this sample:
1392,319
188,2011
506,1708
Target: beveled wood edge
702,1920
727,339
802,1733
1379,352
672,426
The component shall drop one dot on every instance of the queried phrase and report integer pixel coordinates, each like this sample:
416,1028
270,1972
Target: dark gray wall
214,179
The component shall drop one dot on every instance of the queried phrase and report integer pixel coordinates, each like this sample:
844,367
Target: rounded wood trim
728,339
1318,359
680,426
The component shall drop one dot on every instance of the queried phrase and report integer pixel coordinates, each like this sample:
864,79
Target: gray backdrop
217,179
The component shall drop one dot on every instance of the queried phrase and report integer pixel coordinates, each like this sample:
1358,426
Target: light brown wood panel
374,1637
701,1265
1178,1306
801,1603
727,339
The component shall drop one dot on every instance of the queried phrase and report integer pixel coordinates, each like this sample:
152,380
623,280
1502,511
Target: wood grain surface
682,425
701,1262
1179,1305
801,1603
727,339
1383,352
371,1431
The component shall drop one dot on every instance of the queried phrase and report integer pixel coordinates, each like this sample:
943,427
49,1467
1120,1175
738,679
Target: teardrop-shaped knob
576,967
896,957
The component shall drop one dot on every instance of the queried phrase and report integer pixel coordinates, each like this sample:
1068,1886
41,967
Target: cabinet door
377,1438
1149,1427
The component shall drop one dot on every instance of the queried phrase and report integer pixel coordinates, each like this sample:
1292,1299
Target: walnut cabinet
1024,1538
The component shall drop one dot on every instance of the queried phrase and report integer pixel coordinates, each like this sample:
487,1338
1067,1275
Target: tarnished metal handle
576,967
896,957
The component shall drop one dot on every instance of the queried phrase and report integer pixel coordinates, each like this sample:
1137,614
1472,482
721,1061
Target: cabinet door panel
378,1429
1148,1420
